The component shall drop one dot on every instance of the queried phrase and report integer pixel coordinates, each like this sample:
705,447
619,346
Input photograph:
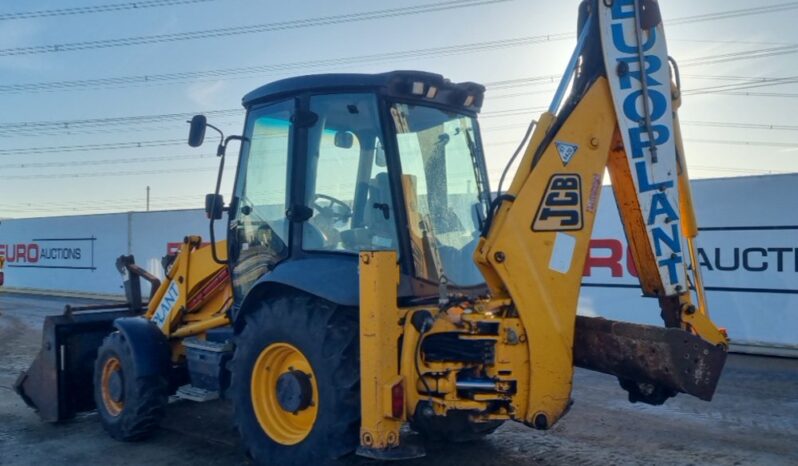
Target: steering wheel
336,209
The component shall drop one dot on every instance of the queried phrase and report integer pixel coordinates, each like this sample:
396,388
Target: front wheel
130,406
295,382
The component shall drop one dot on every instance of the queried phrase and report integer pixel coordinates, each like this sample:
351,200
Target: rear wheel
295,382
130,406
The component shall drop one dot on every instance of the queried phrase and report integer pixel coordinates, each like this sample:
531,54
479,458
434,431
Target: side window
346,178
261,229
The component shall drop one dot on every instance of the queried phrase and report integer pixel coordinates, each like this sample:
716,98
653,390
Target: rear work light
398,400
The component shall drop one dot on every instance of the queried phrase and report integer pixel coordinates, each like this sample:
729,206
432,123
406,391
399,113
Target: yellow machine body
532,264
502,351
195,295
534,273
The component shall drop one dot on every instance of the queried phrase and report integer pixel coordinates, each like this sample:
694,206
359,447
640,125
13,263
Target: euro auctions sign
734,259
77,254
747,250
50,253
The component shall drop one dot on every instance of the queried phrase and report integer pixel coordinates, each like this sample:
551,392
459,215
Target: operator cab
334,164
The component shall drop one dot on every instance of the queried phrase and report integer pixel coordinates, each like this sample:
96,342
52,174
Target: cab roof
393,83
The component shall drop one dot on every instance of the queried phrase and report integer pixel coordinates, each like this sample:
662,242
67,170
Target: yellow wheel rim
111,368
281,425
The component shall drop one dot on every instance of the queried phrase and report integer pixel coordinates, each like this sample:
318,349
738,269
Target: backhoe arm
620,117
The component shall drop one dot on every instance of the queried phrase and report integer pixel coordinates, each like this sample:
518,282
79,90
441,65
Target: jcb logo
561,206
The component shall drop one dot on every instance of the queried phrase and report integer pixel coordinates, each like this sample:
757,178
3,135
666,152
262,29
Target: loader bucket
669,358
59,382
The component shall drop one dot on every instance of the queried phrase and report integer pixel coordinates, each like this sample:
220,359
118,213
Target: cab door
259,230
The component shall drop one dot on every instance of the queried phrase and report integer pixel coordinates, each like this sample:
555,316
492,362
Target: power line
728,41
753,83
520,82
700,141
139,128
736,13
84,163
92,9
111,82
745,54
338,19
783,95
278,67
91,147
61,125
788,145
726,124
37,128
512,112
176,142
136,207
107,174
156,159
741,170
713,124
110,121
251,29
133,206
104,203
548,91
720,77
737,170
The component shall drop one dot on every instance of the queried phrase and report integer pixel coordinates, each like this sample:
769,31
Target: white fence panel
73,254
748,245
748,250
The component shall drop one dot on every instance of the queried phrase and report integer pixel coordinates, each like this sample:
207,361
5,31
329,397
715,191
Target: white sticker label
562,253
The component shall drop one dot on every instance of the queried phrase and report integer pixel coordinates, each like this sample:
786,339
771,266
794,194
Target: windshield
445,190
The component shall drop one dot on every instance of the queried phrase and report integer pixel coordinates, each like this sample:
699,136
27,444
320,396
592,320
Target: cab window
346,179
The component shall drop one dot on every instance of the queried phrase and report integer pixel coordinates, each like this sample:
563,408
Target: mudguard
334,278
151,352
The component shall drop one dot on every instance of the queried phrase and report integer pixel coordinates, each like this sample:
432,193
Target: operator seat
382,230
377,232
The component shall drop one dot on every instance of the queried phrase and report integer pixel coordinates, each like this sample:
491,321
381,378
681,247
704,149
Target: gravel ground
752,420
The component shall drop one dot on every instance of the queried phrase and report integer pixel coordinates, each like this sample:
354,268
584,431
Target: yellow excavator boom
620,118
451,363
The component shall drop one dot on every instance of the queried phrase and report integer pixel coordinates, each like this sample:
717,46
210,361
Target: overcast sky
57,164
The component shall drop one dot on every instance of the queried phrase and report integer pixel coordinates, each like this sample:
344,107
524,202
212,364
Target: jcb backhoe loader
376,281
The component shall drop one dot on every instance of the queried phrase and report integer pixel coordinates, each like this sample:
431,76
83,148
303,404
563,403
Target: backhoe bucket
59,382
670,359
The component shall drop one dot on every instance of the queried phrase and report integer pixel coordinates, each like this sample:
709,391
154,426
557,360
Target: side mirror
344,139
197,132
214,206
